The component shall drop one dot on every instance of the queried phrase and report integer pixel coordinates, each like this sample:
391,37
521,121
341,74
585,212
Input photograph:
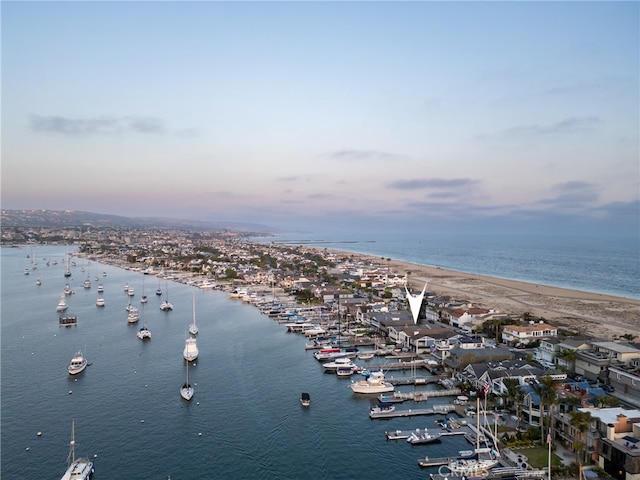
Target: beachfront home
527,333
625,379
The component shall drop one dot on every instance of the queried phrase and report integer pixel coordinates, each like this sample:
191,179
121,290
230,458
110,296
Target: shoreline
596,314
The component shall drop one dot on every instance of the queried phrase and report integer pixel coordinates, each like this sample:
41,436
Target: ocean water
608,264
244,421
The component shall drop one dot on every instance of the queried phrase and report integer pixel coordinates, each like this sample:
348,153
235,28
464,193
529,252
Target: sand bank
588,313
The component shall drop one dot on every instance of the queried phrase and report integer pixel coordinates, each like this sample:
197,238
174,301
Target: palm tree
513,395
581,422
569,356
546,390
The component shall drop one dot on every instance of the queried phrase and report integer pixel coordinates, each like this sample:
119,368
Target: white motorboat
38,281
305,399
374,384
133,316
344,362
190,351
87,283
62,305
99,302
26,271
186,391
78,364
382,407
424,436
67,290
131,291
333,353
365,356
100,288
78,469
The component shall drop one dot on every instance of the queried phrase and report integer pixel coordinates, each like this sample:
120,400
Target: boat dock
418,396
404,434
435,410
411,380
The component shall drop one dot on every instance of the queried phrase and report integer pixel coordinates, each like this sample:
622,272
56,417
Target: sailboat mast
73,442
478,423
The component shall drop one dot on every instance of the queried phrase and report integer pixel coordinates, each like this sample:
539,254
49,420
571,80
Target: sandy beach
588,313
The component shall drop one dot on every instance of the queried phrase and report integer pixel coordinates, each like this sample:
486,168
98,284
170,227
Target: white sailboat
144,333
67,270
80,469
166,306
186,391
193,328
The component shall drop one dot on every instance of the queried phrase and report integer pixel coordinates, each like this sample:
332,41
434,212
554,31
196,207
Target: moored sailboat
193,328
144,333
78,469
186,391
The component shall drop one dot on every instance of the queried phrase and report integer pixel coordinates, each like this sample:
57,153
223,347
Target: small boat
344,363
67,290
87,283
104,274
78,469
143,299
131,291
365,356
38,281
159,292
186,391
78,364
166,306
100,288
417,438
305,399
100,302
126,287
382,407
26,271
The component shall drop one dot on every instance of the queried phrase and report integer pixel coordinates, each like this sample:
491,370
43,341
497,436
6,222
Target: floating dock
499,472
435,410
404,434
418,396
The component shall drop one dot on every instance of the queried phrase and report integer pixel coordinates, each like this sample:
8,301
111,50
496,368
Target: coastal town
545,384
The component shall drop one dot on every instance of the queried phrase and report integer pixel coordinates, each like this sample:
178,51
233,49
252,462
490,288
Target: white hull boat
190,352
374,384
78,469
78,364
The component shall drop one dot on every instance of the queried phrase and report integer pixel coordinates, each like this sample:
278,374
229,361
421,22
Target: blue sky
326,115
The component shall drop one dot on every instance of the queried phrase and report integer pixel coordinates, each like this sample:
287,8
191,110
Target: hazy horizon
334,116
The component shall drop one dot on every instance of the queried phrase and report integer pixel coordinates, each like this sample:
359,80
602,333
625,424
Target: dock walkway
436,409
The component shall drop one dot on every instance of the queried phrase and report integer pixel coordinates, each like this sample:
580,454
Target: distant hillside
74,218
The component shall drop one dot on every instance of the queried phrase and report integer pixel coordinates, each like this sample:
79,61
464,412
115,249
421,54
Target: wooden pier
435,410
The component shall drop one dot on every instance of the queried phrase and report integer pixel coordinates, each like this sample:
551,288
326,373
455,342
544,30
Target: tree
569,356
546,390
513,395
581,422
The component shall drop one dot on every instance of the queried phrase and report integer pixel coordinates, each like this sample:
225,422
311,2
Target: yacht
78,364
374,384
190,352
62,305
344,362
78,469
333,353
133,316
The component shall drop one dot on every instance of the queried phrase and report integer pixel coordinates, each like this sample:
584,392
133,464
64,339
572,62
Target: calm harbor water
245,419
608,264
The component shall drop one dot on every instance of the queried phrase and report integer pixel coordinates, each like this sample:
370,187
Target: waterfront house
459,358
527,333
594,363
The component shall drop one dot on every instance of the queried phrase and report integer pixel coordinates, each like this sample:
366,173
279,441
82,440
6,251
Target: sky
414,116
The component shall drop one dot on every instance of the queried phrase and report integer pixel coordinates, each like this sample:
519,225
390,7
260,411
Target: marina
149,373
